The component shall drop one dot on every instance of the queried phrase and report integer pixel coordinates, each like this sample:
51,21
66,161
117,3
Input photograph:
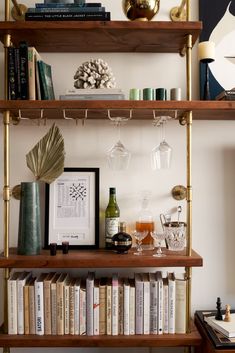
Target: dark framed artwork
72,209
218,17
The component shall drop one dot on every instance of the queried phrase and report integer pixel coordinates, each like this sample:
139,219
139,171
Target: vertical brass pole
189,177
188,10
7,10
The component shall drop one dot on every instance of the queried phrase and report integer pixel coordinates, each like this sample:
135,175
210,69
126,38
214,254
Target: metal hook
117,120
41,117
76,119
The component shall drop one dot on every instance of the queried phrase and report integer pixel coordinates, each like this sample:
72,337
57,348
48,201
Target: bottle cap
112,190
122,227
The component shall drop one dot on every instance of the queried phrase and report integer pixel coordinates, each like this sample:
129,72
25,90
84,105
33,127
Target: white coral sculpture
94,74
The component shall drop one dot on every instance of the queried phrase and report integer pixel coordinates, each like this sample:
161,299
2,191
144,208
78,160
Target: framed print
218,18
72,209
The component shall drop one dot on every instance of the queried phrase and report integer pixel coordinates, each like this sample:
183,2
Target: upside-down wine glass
139,236
118,156
158,237
161,154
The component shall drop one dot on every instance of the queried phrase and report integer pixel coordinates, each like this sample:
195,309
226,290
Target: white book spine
39,308
76,310
153,307
66,309
166,308
12,307
90,305
82,316
146,307
160,307
53,309
96,311
109,309
114,305
180,306
139,320
132,310
20,303
171,303
126,310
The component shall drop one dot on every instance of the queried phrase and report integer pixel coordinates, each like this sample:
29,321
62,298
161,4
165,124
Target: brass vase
140,10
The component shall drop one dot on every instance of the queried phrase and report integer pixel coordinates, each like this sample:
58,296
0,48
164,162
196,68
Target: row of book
29,77
66,11
58,304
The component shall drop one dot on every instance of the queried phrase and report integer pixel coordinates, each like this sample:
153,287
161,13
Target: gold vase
140,10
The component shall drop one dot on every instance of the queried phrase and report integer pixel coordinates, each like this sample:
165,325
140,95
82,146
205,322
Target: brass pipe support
178,13
18,11
6,193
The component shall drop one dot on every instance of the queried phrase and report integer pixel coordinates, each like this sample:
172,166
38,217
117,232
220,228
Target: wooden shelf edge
166,340
99,258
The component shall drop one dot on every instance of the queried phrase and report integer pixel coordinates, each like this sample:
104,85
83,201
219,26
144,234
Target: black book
68,16
24,75
12,75
17,72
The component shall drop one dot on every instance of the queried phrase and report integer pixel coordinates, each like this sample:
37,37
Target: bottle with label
145,222
122,241
112,214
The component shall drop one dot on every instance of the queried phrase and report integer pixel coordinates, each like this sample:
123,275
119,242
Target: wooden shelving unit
99,259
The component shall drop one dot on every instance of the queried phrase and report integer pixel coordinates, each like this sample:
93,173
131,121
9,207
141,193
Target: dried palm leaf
46,159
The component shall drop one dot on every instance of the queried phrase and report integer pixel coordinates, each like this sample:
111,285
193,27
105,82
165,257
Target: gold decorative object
178,13
140,10
18,11
179,192
46,159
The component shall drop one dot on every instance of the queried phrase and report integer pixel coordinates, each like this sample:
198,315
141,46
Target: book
132,306
60,321
24,75
65,9
32,319
102,311
226,328
68,16
12,75
39,303
146,290
83,310
93,91
12,303
47,302
66,306
153,303
72,306
62,1
109,307
165,305
76,290
32,62
180,303
171,302
26,306
126,307
226,95
21,280
139,306
17,72
54,304
96,307
114,304
45,78
90,303
160,302
93,97
64,4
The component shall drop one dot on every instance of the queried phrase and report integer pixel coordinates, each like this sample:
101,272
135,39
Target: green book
46,83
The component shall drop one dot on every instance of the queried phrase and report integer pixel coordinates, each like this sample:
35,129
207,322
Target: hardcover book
180,303
77,289
96,307
60,299
32,319
115,304
226,328
160,302
153,303
102,312
12,75
65,9
72,306
54,305
24,276
47,302
90,303
109,307
24,75
126,307
39,303
171,302
80,4
68,16
46,83
83,312
132,306
146,289
139,304
12,303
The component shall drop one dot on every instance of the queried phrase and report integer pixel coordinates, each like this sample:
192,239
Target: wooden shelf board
109,36
141,110
99,259
167,340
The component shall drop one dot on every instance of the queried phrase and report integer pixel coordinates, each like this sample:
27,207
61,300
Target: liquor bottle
145,222
112,214
121,241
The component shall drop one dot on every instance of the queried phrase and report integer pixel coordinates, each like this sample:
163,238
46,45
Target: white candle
206,51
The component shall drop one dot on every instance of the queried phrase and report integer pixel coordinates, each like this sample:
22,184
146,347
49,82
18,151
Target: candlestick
206,55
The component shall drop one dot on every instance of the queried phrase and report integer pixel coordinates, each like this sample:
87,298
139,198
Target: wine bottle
112,214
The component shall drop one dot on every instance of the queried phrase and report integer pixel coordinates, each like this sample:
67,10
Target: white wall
213,160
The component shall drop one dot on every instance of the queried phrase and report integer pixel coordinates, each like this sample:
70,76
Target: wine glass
158,237
139,236
118,156
161,154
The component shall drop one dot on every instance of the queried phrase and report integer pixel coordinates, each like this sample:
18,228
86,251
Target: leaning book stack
93,94
76,10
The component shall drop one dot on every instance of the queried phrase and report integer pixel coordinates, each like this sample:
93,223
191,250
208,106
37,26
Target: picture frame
72,209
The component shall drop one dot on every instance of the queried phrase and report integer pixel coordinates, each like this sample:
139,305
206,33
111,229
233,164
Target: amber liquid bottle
112,214
145,222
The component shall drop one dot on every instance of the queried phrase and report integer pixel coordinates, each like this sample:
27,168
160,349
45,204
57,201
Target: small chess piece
218,315
227,316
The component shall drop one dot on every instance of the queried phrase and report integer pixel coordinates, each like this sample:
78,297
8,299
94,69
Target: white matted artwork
72,209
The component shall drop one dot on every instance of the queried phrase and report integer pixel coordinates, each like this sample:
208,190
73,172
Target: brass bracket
18,11
179,192
178,13
183,120
6,193
16,192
